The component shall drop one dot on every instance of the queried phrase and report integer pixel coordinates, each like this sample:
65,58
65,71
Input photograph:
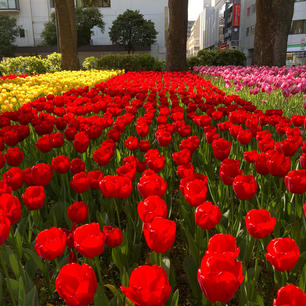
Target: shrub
193,61
206,57
31,64
230,57
8,33
128,62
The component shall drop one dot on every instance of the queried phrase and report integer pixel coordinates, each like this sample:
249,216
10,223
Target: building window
52,4
247,31
21,33
253,9
249,11
298,27
9,4
97,3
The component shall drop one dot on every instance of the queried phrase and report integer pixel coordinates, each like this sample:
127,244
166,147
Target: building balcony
9,6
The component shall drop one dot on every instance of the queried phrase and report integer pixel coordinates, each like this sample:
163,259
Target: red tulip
295,181
229,169
113,236
80,182
151,184
89,240
221,148
144,145
153,206
195,192
10,207
81,142
223,244
77,166
131,143
61,164
244,137
50,243
250,156
278,164
222,272
148,286
5,227
283,253
245,187
261,164
14,177
182,158
57,140
34,197
44,144
160,234
207,215
42,174
76,284
259,223
290,295
13,156
94,178
77,212
116,186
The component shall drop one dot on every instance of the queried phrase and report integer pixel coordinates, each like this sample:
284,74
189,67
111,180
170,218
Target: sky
195,7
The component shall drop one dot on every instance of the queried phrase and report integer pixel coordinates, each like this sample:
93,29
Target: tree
8,34
273,23
86,19
177,35
65,16
130,30
49,33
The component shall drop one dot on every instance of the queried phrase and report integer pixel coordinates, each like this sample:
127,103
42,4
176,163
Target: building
296,54
204,33
247,26
220,6
189,27
193,42
31,16
232,24
206,3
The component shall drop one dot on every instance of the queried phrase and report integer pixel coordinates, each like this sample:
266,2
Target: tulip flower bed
276,87
151,189
17,90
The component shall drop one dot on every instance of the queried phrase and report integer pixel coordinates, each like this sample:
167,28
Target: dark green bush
217,58
128,62
229,57
206,57
193,61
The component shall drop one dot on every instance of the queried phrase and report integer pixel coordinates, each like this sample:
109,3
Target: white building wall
33,14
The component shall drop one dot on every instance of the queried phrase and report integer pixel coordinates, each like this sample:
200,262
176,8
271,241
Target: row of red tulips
227,149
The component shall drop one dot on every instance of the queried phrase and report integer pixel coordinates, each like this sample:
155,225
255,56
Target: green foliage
217,58
31,64
8,33
229,57
193,61
49,32
206,57
86,19
131,62
130,30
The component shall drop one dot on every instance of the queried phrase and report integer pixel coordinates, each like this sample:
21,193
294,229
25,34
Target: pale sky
195,7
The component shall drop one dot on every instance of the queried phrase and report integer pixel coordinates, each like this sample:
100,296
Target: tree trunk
67,30
177,35
273,23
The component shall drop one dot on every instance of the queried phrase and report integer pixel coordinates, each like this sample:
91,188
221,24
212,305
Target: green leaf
259,300
1,288
175,298
21,293
13,262
100,297
191,273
